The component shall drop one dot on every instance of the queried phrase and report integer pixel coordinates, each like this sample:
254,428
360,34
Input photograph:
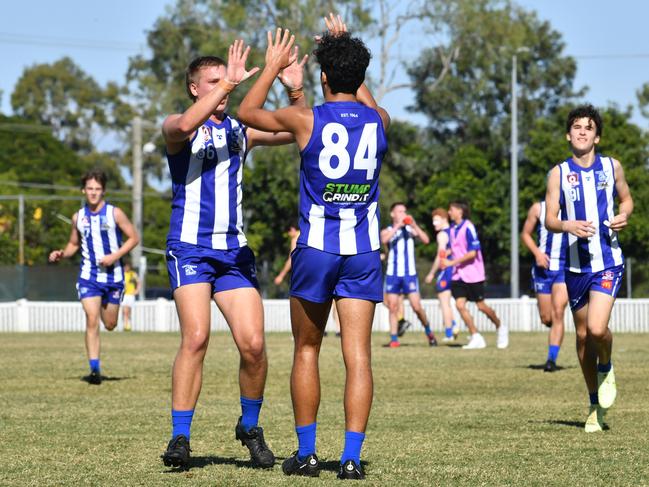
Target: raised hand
292,76
335,26
279,53
237,56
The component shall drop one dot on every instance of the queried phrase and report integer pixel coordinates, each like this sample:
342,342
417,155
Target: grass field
441,416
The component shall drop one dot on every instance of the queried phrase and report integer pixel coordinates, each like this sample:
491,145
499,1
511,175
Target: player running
97,230
469,276
444,277
207,253
342,144
584,188
401,274
547,278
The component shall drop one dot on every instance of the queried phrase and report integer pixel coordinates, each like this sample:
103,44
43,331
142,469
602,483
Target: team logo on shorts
573,179
607,280
190,270
442,283
413,286
83,290
117,294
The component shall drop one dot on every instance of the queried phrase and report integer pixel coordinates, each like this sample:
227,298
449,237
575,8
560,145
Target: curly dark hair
344,59
96,174
585,111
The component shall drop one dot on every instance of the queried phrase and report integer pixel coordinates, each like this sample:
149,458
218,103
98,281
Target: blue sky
117,28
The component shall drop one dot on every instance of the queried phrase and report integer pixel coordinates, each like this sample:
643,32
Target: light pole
513,216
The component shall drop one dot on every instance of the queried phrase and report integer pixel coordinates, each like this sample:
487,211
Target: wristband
227,86
295,93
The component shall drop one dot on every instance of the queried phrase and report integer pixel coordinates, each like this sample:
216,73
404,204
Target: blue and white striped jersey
100,236
401,253
589,194
339,176
550,243
206,179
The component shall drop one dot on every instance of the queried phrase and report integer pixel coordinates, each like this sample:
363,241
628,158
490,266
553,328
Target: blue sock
594,400
353,445
181,422
448,332
250,409
94,365
553,352
306,440
427,329
604,367
394,338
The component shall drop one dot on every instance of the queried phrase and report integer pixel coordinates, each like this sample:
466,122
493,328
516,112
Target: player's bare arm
533,215
442,241
469,256
132,238
579,228
292,77
388,233
419,232
71,247
625,208
178,128
295,119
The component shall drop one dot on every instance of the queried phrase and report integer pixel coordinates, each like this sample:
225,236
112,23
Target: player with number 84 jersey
339,177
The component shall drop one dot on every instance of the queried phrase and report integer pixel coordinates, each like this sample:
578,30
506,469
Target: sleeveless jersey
206,179
339,175
550,243
100,236
401,253
589,194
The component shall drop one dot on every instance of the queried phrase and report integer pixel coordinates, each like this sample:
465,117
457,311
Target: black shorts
472,291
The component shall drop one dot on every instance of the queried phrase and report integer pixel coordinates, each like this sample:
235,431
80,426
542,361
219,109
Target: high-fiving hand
292,76
335,26
237,56
279,53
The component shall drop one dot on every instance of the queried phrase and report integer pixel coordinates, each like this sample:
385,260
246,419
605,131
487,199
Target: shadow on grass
104,378
202,462
542,366
562,422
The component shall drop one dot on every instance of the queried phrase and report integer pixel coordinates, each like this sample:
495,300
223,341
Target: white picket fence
629,315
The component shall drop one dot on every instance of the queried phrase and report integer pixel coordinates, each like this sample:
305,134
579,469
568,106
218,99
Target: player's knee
582,336
598,333
546,319
196,342
110,324
92,322
253,351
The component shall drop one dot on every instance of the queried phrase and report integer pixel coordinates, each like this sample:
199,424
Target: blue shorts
544,279
223,269
401,284
443,282
579,285
110,292
318,276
